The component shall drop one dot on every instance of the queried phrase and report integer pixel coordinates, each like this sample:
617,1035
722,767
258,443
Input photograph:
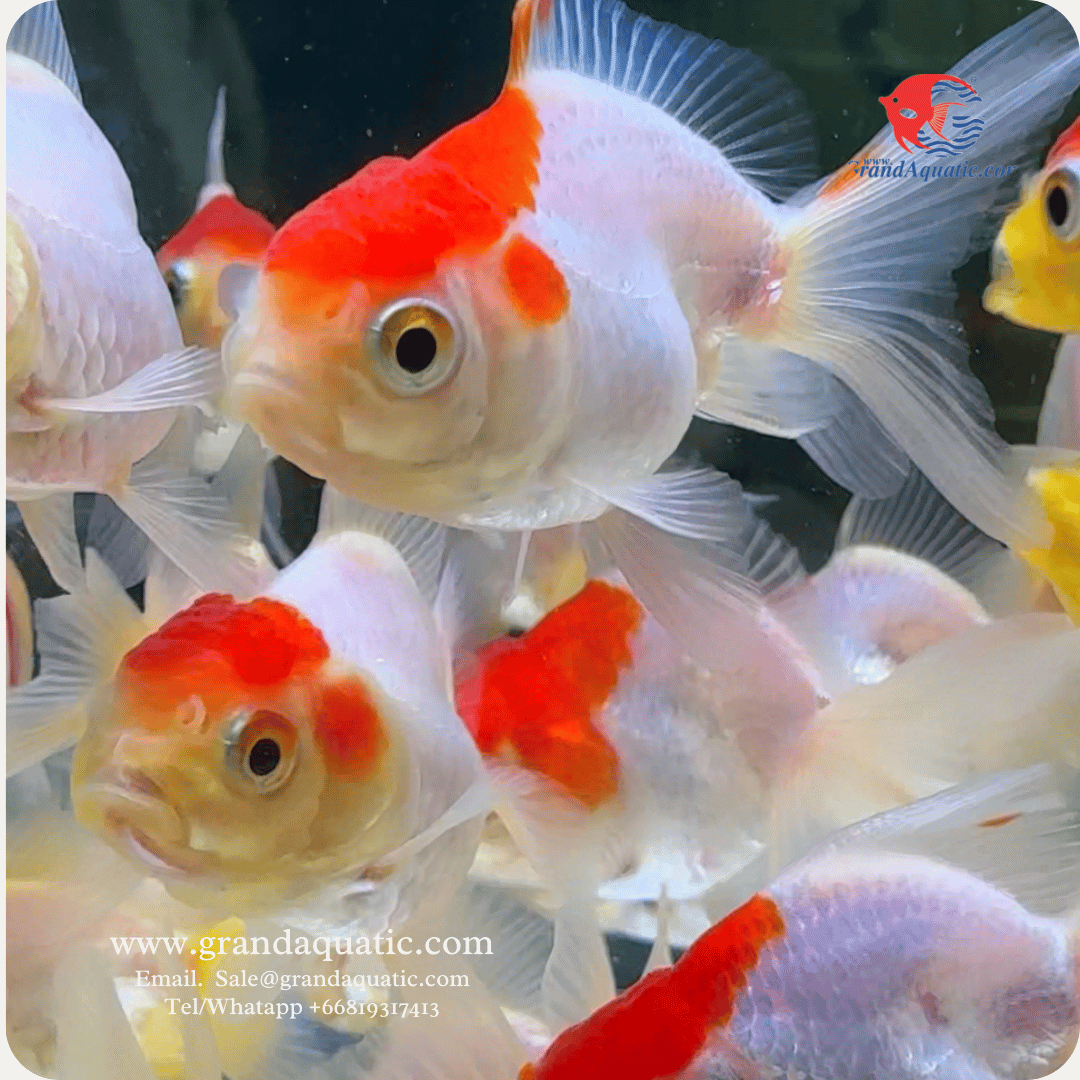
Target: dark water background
317,89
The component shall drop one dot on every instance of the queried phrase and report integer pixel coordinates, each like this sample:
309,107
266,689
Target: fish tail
996,697
867,290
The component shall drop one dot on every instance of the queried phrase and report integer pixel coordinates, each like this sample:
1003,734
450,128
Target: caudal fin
868,291
999,696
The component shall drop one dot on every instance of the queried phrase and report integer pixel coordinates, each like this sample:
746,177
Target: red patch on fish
217,643
225,224
659,1026
534,282
348,730
395,219
392,224
534,700
997,822
1066,145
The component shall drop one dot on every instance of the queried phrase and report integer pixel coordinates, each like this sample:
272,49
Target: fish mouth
1003,277
138,817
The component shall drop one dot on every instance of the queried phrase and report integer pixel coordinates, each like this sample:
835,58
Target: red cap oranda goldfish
90,332
250,753
841,699
934,940
222,232
515,327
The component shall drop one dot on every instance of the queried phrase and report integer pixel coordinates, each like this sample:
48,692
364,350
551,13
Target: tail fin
1059,421
869,294
999,696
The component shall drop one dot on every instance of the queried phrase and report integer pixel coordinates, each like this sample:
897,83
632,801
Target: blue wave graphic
961,128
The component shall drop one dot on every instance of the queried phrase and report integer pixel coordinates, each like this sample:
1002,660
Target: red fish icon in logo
913,96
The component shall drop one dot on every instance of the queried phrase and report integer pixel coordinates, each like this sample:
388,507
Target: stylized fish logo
909,108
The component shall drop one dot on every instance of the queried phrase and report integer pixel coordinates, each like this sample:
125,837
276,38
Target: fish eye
896,100
260,751
1062,203
414,346
178,277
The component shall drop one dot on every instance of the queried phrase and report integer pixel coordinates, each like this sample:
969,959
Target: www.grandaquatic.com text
882,168
288,944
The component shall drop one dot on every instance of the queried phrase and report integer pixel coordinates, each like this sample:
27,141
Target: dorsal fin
214,183
918,521
755,115
39,35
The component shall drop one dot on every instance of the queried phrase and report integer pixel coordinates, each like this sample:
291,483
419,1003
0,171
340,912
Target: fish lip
130,804
161,862
262,380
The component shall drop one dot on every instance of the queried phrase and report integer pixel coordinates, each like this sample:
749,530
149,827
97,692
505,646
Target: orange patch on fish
534,282
996,822
397,219
217,643
1067,144
840,181
348,730
660,1025
521,25
535,699
234,231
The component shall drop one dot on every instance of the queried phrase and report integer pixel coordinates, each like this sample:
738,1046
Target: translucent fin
51,525
773,564
578,978
875,299
192,376
1059,421
660,953
856,451
39,34
469,1037
81,638
241,482
93,1043
214,182
522,940
20,628
918,521
420,542
1018,829
999,696
732,98
768,390
698,503
119,541
194,528
233,284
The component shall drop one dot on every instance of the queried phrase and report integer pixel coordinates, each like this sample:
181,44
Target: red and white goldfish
252,753
87,312
222,232
839,701
933,940
515,327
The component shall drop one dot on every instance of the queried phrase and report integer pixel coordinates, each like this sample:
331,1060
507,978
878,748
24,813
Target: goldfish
1035,271
222,232
88,313
913,96
849,964
626,767
478,335
20,628
302,745
1060,563
924,937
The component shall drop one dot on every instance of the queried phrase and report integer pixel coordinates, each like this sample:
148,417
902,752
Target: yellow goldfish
1036,259
1059,490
